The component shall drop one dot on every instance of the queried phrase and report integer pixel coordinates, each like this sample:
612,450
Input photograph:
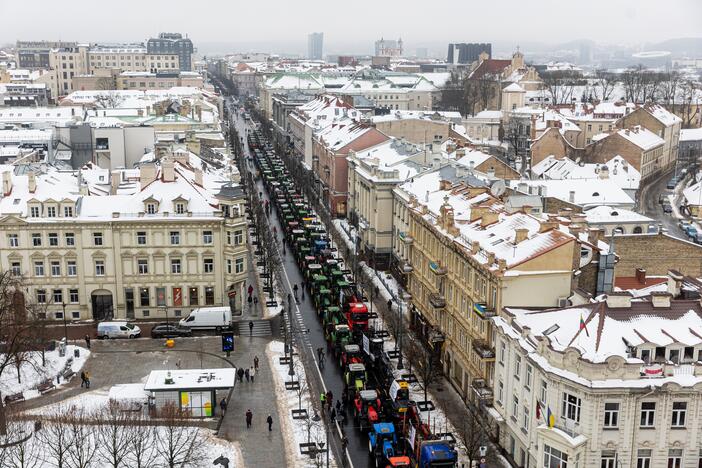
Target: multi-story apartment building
173,43
610,384
67,62
665,124
643,149
131,58
140,243
315,45
145,81
35,54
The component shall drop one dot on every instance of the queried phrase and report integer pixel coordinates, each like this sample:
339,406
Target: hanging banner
393,389
366,345
177,297
412,434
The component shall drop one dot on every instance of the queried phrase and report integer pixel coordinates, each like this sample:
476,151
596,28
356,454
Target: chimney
490,258
6,183
198,177
596,235
168,168
547,226
147,174
675,279
640,275
565,212
474,247
661,299
604,172
619,300
32,181
477,212
115,177
571,196
489,217
84,189
444,184
502,264
520,234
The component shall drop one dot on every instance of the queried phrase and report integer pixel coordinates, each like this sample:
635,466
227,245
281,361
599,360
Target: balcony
484,350
438,301
482,391
406,238
407,267
483,311
437,269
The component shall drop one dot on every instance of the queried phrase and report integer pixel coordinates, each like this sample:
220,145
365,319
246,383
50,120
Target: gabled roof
490,66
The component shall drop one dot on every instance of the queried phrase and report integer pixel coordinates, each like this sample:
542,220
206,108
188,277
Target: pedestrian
255,301
283,249
302,297
338,405
250,301
377,291
342,414
390,305
246,373
249,418
87,380
252,373
250,289
345,397
322,397
256,362
223,405
87,341
269,420
251,327
240,374
344,443
82,379
295,290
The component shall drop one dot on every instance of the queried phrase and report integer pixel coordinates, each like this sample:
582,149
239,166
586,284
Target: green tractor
355,378
340,338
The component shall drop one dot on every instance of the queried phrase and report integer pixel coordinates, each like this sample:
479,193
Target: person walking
322,397
338,406
87,380
342,416
252,373
344,443
249,418
269,420
255,302
223,405
295,291
246,373
256,362
332,415
240,374
302,295
250,290
87,341
390,305
82,379
251,325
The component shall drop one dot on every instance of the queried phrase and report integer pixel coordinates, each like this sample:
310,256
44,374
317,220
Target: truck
209,318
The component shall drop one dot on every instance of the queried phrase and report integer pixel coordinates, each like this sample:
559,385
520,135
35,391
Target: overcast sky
351,26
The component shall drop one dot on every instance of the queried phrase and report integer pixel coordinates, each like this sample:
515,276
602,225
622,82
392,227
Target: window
75,314
528,376
608,460
515,406
500,392
58,314
73,296
151,208
229,267
97,238
207,237
99,268
238,237
141,238
143,266
571,407
41,296
38,268
70,239
144,299
102,143
239,265
179,208
175,266
71,268
643,458
34,212
13,240
674,356
55,268
554,458
193,296
36,239
175,238
51,212
229,237
544,392
209,296
16,268
525,418
648,413
67,211
674,458
503,352
679,411
53,239
129,301
517,366
58,296
611,415
208,265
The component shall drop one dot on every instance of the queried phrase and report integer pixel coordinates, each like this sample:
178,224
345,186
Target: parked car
683,223
667,208
217,318
672,183
110,330
170,330
691,231
663,198
698,238
652,229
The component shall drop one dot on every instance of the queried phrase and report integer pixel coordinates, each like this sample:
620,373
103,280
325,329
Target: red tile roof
632,282
490,66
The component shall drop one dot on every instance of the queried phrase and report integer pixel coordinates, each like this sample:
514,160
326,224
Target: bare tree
108,100
56,438
84,448
687,106
24,454
177,443
105,83
560,84
303,386
426,363
603,85
114,436
669,87
142,439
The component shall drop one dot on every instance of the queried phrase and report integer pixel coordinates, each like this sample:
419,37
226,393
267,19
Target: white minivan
217,318
109,330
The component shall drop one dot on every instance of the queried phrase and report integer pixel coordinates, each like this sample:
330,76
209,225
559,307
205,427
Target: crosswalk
260,328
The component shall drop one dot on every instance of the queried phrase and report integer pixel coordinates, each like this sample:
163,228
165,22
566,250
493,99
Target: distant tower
315,45
399,47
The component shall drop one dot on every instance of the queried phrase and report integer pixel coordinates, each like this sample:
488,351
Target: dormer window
34,211
180,208
51,211
151,208
67,211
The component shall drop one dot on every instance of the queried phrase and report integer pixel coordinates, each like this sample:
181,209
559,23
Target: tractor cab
382,442
398,461
399,399
309,266
322,298
340,337
332,316
351,353
319,246
355,377
366,408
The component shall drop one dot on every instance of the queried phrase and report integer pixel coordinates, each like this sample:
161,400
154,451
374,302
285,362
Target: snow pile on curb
32,373
295,430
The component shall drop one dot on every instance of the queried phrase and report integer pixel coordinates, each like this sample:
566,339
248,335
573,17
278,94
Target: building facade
315,46
173,44
465,53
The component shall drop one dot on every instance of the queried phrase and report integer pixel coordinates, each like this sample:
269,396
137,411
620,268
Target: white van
109,330
217,318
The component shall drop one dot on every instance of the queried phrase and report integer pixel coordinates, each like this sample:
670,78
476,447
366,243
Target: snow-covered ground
32,373
295,430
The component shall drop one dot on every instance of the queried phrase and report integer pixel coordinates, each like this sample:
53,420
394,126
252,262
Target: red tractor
350,354
366,409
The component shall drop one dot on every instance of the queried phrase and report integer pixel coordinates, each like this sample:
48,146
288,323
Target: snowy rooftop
641,137
691,134
664,116
608,214
585,192
616,169
190,379
342,132
389,156
414,114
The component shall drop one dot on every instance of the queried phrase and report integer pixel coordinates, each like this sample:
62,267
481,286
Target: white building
609,384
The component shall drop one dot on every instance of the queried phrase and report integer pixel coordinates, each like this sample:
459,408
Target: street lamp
65,326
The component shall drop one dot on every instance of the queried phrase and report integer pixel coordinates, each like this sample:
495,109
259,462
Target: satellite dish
498,188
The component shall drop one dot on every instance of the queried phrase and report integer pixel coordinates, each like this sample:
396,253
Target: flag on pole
550,419
538,411
583,326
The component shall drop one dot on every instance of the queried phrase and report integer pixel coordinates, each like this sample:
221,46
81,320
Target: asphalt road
650,207
305,318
